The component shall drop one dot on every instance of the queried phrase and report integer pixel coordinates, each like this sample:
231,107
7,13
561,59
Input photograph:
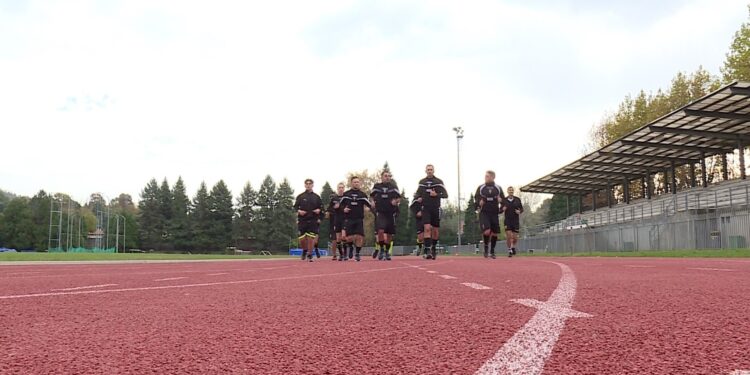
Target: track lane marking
217,274
83,287
740,372
530,347
712,269
476,286
171,279
432,272
448,277
161,287
638,266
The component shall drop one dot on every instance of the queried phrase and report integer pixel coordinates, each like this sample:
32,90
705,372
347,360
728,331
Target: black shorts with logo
512,225
489,221
386,222
431,216
354,227
308,227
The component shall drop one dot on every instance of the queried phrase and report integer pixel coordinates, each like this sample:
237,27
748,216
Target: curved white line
528,350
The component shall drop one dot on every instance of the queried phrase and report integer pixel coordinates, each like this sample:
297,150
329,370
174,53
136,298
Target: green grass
707,253
127,256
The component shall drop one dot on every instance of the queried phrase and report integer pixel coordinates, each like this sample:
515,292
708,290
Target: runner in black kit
488,199
308,206
513,209
416,210
385,198
335,213
431,191
354,202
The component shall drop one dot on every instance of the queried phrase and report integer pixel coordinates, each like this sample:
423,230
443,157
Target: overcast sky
100,96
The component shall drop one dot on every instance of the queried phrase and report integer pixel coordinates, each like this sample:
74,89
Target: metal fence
711,218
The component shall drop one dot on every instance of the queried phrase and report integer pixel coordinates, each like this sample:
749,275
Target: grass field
126,256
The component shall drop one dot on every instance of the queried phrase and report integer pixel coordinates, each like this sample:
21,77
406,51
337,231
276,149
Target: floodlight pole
459,135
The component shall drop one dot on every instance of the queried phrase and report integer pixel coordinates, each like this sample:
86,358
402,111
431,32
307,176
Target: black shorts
489,221
308,228
431,216
354,227
512,225
386,222
337,224
419,224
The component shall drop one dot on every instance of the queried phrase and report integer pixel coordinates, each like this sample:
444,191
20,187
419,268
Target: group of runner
346,214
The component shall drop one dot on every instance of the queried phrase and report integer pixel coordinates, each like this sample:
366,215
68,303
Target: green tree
39,205
405,235
149,216
264,220
471,234
325,229
560,207
737,63
180,224
200,218
284,217
16,225
222,213
164,197
245,217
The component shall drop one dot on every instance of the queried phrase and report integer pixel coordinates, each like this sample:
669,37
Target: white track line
432,272
194,285
740,372
83,287
638,266
712,269
448,277
527,351
171,279
476,286
217,274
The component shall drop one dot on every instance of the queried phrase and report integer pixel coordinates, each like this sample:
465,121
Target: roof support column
593,199
580,203
644,188
667,185
609,194
649,185
704,172
567,204
741,146
626,190
693,180
673,177
724,168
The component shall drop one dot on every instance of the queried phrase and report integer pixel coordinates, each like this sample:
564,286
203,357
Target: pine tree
39,206
16,225
325,229
264,219
245,216
405,235
284,217
222,212
149,217
180,223
164,198
737,63
472,231
200,219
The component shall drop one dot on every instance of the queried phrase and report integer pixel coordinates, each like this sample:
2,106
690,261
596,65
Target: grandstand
703,215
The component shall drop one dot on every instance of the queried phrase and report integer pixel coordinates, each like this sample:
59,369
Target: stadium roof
715,124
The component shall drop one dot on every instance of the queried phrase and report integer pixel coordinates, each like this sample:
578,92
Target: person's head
385,176
308,184
340,188
356,182
511,191
430,170
489,177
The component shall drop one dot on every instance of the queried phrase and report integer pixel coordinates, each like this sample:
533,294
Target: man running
385,198
308,206
431,191
416,210
512,208
487,201
354,201
335,215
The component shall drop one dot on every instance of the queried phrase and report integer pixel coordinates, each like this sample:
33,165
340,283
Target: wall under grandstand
699,218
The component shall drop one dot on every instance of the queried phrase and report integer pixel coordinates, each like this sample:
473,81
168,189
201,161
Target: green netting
82,250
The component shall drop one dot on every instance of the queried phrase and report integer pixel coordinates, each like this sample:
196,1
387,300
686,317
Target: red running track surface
655,316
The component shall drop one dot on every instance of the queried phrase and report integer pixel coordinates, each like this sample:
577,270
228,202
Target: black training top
336,212
308,201
382,194
415,207
512,204
427,185
356,201
492,195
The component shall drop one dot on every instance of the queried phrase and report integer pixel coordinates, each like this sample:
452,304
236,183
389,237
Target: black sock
427,244
340,248
494,243
351,249
486,243
358,250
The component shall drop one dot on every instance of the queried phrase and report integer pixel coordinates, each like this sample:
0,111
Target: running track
410,316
